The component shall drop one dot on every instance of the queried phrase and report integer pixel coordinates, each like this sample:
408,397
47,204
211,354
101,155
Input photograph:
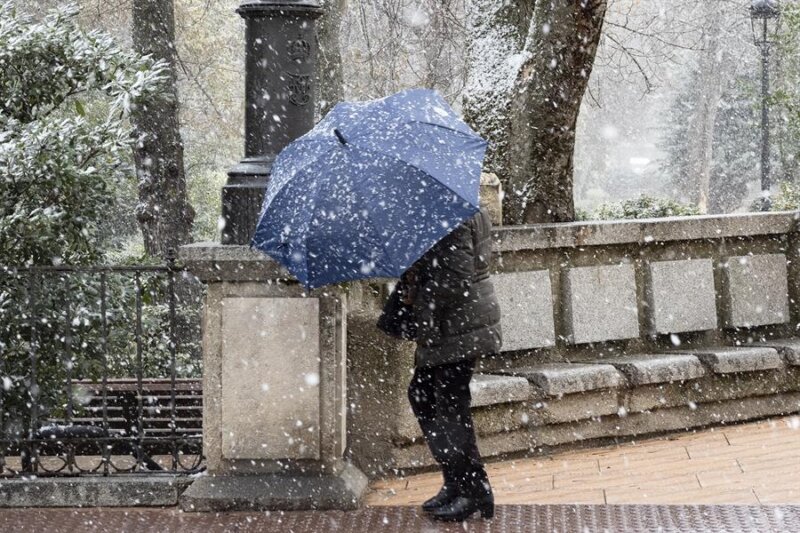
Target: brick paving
755,463
508,518
736,478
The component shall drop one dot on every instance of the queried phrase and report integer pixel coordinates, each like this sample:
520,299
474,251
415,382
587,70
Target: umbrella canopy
370,189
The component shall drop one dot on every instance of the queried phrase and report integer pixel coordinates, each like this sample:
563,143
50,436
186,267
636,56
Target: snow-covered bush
641,207
787,198
65,95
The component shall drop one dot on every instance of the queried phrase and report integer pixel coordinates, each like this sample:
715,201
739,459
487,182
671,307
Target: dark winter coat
455,315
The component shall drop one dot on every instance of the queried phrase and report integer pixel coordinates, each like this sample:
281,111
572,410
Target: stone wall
634,286
611,329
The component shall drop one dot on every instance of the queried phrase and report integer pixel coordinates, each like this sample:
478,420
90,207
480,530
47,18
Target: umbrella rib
465,134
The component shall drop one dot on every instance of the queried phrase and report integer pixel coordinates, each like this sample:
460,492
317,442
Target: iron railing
99,370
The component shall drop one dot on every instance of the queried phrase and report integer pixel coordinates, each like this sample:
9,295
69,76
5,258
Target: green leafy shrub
64,135
65,143
787,199
642,207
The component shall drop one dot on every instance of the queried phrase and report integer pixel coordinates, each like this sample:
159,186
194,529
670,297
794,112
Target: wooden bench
86,430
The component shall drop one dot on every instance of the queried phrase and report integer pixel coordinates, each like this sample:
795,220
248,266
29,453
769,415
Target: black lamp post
765,18
280,57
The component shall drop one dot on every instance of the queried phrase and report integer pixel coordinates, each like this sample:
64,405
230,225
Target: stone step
558,379
679,418
728,359
493,389
626,395
788,348
646,369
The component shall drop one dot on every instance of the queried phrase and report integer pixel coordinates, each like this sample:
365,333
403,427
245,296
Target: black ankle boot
477,496
447,493
462,508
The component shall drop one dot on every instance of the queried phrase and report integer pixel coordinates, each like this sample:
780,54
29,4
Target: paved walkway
756,466
756,463
508,519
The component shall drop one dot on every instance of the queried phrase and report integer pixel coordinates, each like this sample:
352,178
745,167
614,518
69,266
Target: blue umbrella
370,189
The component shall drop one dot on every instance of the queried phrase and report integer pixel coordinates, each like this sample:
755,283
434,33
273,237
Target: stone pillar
492,197
280,58
793,272
274,356
274,388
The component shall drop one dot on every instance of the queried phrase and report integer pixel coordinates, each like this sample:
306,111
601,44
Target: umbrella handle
339,136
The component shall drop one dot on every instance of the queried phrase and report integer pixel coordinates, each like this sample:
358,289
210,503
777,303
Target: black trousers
440,398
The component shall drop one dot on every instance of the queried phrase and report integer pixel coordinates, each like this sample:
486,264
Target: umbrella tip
339,136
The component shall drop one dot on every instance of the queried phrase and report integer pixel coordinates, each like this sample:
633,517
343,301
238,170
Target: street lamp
280,58
765,18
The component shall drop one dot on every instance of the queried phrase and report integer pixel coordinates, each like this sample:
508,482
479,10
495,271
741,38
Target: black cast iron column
280,58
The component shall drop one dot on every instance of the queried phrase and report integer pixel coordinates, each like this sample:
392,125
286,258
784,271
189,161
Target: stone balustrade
612,329
620,328
643,283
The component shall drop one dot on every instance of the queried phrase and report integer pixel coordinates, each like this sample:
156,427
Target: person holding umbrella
386,189
455,319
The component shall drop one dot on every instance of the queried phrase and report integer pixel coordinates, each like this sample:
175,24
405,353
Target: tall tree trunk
164,213
496,35
330,79
526,100
559,54
701,123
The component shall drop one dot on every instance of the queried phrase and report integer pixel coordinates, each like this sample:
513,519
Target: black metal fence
100,370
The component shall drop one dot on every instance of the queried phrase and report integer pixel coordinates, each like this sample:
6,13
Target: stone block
681,296
573,407
679,418
600,303
663,395
526,305
274,492
92,491
491,193
661,231
378,373
211,261
555,379
732,386
270,378
490,389
724,360
500,418
714,388
668,419
788,348
756,290
417,455
657,368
